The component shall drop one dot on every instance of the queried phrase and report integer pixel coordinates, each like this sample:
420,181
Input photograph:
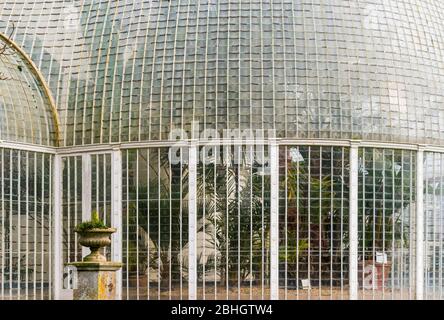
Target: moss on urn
95,235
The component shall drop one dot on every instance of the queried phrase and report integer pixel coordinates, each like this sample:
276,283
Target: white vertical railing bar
393,250
401,268
116,215
320,227
19,223
42,233
333,251
384,178
10,219
127,213
57,232
159,215
50,222
251,150
204,197
361,186
264,256
274,220
148,166
215,198
192,224
181,225
137,225
181,195
286,224
373,234
342,222
170,233
96,160
2,203
427,223
353,224
67,211
86,193
432,207
238,224
227,224
27,226
309,187
309,264
106,178
440,226
419,225
297,219
411,231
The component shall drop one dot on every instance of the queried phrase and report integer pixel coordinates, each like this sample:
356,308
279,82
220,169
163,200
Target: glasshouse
241,149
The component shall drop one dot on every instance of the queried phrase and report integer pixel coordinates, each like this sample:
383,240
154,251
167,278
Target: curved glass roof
330,69
27,114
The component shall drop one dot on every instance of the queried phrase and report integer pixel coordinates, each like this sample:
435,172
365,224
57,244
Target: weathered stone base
96,280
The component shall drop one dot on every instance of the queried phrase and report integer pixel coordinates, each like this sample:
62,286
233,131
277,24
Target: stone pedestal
95,280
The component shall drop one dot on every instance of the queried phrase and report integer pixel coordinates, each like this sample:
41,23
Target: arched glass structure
28,114
243,149
28,125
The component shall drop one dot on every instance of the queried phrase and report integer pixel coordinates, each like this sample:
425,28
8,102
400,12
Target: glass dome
27,113
368,70
312,215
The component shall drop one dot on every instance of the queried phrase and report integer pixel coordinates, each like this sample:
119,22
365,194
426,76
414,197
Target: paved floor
245,293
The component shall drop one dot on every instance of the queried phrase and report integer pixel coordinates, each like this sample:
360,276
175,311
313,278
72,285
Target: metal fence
313,246
278,220
25,225
434,225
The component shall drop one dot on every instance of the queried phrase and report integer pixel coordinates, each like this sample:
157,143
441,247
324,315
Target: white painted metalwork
27,147
192,223
224,64
386,193
26,263
116,215
313,222
58,228
86,193
171,210
100,148
400,275
420,225
274,220
3,223
353,224
155,224
432,221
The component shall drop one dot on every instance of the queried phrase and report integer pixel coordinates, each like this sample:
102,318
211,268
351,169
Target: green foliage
236,207
317,205
94,223
381,213
95,217
293,250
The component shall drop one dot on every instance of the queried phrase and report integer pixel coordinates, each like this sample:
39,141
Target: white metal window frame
116,213
116,152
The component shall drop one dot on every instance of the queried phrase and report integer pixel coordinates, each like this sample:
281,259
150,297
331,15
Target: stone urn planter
95,239
95,277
